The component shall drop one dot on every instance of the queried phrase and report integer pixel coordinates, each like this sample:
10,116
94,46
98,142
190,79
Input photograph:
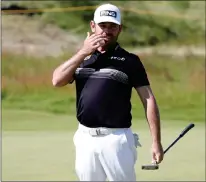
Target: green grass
178,84
38,146
38,120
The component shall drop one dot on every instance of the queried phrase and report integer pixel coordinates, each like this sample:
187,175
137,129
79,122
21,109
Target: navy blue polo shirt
104,85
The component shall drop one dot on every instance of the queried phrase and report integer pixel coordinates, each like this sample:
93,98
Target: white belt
106,131
97,131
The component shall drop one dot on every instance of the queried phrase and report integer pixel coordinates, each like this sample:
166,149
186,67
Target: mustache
109,35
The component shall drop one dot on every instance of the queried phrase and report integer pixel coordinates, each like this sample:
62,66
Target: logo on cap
108,13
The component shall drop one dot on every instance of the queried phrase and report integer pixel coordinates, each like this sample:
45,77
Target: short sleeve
72,80
137,73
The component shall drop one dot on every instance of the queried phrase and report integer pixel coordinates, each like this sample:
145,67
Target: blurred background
37,36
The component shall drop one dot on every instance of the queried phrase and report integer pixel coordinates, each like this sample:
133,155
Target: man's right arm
63,74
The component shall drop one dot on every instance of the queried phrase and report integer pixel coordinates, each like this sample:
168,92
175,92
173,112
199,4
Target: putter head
152,166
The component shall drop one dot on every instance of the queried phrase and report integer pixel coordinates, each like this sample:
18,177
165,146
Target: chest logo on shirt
118,58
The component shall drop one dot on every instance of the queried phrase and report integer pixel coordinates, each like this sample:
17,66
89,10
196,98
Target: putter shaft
155,166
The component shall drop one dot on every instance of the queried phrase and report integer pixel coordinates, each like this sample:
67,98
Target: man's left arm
139,80
153,118
151,111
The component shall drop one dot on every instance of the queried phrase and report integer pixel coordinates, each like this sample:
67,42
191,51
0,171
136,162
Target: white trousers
99,157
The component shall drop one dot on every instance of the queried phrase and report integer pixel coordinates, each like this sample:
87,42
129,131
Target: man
105,74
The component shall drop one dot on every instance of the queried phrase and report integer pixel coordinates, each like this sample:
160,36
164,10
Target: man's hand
157,152
92,42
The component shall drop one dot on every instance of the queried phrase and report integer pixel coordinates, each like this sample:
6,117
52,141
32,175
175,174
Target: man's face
111,30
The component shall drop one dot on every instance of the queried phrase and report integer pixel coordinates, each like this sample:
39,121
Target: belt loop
98,131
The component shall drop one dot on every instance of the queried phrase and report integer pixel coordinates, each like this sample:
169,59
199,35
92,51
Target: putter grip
190,126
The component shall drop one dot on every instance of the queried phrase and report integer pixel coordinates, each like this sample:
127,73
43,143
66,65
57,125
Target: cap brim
107,19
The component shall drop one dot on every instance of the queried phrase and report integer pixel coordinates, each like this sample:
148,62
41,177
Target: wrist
82,53
156,141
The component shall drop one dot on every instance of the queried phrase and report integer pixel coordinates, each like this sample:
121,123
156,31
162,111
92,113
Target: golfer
104,74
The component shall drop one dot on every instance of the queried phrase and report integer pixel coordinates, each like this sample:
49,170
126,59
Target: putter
155,166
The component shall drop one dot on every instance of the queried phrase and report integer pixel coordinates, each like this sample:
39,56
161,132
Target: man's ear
120,28
92,26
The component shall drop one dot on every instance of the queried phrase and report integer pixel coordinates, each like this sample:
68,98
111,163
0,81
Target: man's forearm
64,73
153,117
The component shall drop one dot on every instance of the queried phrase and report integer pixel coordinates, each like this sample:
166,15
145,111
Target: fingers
160,157
93,41
94,36
90,35
99,40
157,153
99,43
154,159
157,158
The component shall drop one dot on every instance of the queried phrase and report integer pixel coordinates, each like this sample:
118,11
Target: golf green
39,146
